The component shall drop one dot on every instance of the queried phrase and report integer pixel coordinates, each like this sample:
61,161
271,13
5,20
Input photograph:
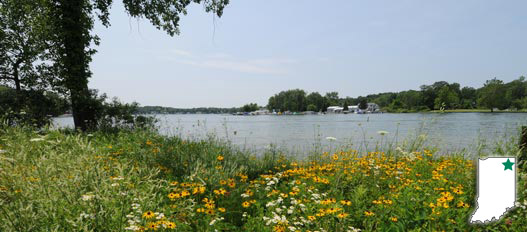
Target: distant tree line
171,110
495,94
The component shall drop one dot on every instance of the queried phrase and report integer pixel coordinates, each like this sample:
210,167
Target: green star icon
508,165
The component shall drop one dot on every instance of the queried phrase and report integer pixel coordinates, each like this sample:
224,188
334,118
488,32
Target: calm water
448,131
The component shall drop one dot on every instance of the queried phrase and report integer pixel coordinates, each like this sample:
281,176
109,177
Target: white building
335,109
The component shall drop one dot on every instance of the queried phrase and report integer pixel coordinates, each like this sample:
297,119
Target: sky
261,47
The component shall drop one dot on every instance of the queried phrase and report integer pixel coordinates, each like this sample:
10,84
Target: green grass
60,181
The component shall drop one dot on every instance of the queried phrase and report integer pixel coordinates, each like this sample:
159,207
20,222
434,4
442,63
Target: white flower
381,132
117,178
85,215
115,184
160,216
329,138
133,228
87,197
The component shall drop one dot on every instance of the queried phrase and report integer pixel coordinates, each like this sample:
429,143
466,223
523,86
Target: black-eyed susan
152,226
171,225
220,158
221,209
148,214
342,215
368,213
246,204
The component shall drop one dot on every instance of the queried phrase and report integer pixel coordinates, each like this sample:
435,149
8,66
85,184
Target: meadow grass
139,180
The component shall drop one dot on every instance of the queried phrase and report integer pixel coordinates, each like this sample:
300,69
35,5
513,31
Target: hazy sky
260,47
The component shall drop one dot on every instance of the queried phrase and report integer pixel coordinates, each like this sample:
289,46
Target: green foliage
492,95
55,181
450,96
446,98
30,107
250,107
171,110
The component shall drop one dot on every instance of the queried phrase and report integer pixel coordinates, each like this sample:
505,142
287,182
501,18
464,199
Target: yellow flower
171,225
220,158
335,157
342,215
148,214
369,213
279,228
232,184
394,219
311,218
221,210
345,202
223,182
171,195
152,226
209,211
246,204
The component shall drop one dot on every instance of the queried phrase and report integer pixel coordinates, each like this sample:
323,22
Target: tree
363,104
292,100
492,95
316,100
332,99
468,97
312,107
23,45
446,97
250,107
73,22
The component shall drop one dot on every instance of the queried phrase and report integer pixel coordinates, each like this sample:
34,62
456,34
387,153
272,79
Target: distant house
371,108
335,109
353,109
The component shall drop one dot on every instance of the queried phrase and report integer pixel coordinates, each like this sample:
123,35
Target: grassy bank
55,181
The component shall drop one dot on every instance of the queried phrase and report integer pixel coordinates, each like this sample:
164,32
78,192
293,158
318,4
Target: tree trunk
16,77
75,36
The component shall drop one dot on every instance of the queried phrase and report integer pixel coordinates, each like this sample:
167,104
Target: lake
300,133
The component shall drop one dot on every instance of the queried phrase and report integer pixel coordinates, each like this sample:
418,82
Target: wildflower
345,202
311,218
152,226
221,210
148,214
342,215
246,204
369,213
335,157
209,211
87,197
394,219
220,158
220,191
381,132
171,225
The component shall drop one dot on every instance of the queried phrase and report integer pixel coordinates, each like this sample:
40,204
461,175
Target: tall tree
23,45
73,22
492,95
446,97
